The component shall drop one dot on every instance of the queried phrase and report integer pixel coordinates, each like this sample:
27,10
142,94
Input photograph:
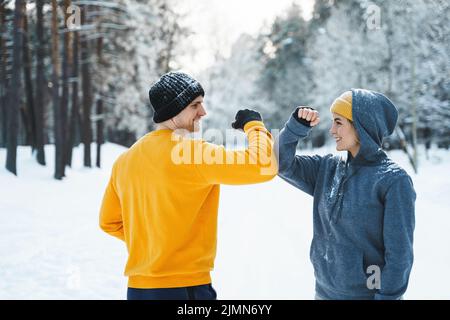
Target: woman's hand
309,115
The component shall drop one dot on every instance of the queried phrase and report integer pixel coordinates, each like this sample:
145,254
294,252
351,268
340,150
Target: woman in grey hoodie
363,209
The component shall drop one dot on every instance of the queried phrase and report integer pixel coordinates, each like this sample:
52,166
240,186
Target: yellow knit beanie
343,105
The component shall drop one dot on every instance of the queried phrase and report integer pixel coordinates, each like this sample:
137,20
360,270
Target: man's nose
202,111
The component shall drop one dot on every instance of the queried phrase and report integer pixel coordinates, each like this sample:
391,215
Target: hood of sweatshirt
375,118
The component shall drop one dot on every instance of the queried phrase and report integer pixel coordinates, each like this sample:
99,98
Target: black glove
244,116
301,120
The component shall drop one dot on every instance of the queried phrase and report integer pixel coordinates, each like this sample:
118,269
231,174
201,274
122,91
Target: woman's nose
331,130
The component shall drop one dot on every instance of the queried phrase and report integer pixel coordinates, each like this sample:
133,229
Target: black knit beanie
173,92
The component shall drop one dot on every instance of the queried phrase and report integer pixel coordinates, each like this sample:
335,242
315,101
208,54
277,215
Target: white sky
218,23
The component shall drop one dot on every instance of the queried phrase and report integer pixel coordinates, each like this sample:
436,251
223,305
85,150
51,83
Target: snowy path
51,246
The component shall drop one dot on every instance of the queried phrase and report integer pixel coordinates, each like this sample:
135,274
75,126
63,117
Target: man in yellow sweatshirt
163,195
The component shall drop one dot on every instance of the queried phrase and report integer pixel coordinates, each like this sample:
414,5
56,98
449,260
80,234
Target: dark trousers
203,292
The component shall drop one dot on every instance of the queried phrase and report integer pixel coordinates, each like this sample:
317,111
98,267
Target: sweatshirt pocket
337,266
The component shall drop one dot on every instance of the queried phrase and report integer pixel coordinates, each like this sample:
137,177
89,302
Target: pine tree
86,135
57,113
40,83
3,75
66,72
286,76
75,121
30,102
14,91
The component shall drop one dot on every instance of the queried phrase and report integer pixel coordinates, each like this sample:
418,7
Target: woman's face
344,134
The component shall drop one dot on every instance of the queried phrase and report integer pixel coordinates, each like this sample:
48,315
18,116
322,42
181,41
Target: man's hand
307,116
244,116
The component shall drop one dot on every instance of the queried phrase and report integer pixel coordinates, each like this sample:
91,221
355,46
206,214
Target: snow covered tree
134,59
432,49
339,59
286,76
404,55
232,84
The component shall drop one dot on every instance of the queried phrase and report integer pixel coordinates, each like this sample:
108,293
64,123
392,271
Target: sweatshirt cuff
297,128
252,124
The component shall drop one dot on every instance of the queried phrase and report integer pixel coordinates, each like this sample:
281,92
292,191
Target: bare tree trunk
59,148
74,125
388,62
87,95
26,120
414,104
41,87
3,85
406,147
65,83
14,93
99,120
30,110
100,126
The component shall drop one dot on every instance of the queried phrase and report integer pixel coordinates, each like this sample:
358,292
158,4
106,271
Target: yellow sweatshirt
162,199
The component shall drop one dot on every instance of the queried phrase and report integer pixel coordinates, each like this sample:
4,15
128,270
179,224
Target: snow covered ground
52,248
